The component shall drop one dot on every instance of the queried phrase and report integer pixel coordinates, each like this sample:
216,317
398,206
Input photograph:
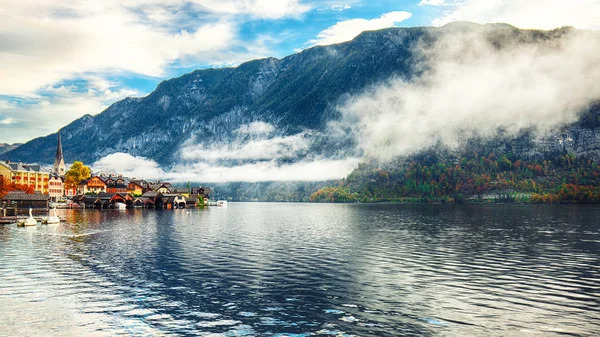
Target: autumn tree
7,186
76,174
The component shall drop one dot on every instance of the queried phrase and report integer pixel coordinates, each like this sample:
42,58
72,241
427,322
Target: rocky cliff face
294,94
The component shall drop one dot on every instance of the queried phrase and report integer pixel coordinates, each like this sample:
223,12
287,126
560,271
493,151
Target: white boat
119,205
30,221
53,219
222,203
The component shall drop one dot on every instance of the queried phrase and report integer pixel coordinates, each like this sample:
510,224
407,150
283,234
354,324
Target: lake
268,269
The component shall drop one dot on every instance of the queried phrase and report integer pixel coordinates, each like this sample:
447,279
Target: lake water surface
306,270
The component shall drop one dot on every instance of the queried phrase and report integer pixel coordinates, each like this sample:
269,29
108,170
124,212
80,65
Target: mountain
4,147
293,94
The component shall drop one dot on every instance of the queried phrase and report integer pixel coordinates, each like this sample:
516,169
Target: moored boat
30,221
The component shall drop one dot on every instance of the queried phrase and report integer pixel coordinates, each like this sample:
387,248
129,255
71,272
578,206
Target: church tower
59,161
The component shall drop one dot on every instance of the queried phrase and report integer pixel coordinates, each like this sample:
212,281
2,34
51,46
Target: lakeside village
25,186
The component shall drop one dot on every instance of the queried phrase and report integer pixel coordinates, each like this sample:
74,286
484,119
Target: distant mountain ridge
5,147
295,93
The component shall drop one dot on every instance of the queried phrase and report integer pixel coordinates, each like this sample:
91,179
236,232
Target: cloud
313,170
256,128
433,3
276,148
349,29
310,170
474,88
54,107
530,14
129,166
340,7
266,9
43,43
7,121
41,51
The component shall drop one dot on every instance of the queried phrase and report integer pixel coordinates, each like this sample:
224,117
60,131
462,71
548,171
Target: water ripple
306,270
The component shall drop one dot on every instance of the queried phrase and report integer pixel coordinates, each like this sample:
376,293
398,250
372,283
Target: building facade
56,187
33,176
92,185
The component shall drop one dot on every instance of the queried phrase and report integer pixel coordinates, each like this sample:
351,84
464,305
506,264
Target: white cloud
433,3
286,147
349,29
530,14
340,7
129,166
256,128
46,42
55,107
315,170
44,51
7,121
267,9
474,89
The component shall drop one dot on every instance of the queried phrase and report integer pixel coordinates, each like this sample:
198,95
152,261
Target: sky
62,59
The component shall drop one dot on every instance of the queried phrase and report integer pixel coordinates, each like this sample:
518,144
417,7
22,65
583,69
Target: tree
76,174
8,186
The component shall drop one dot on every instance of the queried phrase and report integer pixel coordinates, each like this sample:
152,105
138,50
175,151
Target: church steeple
59,161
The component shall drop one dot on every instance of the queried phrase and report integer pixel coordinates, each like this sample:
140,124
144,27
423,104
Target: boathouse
143,202
37,201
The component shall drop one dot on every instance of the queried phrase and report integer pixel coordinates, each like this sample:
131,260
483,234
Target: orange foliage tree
7,186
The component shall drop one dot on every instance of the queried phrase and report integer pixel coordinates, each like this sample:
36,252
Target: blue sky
62,59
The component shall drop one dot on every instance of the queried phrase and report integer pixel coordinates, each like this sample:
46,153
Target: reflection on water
300,270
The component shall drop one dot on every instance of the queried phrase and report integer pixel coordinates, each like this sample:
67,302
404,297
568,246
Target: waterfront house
155,197
183,191
165,188
91,202
143,202
37,202
92,185
137,187
116,185
171,201
191,202
56,187
201,192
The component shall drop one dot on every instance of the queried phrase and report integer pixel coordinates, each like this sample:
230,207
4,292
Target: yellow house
24,174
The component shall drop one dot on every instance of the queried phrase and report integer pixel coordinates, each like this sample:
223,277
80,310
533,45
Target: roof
140,183
20,196
116,186
151,194
181,190
78,198
196,189
20,167
59,153
106,196
56,176
90,199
